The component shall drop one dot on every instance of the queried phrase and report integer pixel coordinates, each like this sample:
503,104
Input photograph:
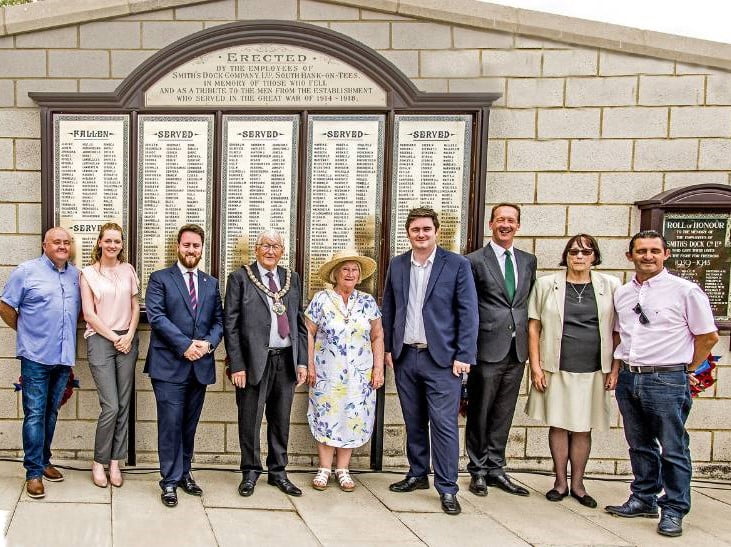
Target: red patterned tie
191,289
282,322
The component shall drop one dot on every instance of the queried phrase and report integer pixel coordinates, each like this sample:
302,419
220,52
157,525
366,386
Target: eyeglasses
638,310
583,252
267,247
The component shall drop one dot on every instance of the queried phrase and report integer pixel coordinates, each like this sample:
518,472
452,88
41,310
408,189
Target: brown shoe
52,474
34,487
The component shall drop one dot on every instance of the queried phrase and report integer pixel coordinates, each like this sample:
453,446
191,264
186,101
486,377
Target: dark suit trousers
492,391
429,396
179,408
272,395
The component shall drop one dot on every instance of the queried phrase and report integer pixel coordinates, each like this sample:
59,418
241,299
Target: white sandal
346,482
321,478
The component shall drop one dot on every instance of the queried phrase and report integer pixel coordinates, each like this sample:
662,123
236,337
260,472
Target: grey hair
53,229
272,235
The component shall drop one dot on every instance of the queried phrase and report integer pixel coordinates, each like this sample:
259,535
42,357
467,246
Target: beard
189,261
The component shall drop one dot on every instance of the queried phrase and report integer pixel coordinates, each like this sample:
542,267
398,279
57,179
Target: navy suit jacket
449,311
175,325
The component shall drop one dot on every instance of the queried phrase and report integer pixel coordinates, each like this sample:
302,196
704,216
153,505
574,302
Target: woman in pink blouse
109,288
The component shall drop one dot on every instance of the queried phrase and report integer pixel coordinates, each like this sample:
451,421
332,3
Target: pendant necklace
278,306
579,293
348,310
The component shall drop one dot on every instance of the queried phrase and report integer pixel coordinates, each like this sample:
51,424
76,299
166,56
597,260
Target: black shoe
450,505
478,486
189,486
246,488
169,496
586,500
555,495
409,484
670,525
285,485
504,483
632,508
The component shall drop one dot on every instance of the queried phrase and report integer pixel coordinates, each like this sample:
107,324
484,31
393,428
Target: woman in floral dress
345,365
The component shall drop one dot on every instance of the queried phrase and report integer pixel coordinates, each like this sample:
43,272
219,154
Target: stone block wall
578,135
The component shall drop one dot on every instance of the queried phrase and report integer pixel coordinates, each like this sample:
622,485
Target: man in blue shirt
41,302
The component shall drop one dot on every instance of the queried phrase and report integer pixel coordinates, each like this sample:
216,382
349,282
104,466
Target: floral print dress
342,402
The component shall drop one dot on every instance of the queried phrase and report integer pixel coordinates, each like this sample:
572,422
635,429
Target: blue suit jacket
449,311
175,325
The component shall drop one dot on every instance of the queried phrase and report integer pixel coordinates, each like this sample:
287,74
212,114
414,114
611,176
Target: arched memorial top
384,86
705,196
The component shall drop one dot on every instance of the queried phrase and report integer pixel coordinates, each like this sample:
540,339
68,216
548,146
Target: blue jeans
654,408
43,387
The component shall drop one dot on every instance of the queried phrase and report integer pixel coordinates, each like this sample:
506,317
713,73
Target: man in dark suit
184,311
504,277
266,342
430,337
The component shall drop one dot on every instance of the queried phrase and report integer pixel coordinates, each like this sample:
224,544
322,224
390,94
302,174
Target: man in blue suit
430,334
185,313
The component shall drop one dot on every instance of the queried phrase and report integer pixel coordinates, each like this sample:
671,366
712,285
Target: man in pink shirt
664,329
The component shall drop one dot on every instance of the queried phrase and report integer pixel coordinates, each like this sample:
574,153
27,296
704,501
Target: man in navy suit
430,334
185,313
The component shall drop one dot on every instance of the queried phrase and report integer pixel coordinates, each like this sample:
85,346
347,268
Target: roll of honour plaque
259,186
431,168
91,174
174,187
700,250
344,182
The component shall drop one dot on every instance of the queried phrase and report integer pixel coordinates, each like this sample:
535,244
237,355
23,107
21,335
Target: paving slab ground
75,512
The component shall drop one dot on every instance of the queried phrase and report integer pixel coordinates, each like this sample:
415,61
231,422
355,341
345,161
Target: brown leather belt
417,347
644,369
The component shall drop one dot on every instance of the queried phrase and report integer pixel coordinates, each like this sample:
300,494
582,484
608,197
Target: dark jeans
654,408
43,387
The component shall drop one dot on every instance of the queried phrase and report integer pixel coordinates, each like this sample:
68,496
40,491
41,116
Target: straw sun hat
367,265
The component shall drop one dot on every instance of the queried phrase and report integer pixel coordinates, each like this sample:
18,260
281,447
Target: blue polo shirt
48,303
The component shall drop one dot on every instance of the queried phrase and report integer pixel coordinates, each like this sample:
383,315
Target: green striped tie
509,276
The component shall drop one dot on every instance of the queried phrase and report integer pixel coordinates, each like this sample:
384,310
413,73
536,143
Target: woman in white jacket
570,345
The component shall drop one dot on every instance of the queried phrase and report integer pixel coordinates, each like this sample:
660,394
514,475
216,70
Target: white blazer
546,304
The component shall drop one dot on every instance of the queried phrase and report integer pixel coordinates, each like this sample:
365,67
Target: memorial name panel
258,186
266,74
91,176
431,168
700,250
345,190
174,187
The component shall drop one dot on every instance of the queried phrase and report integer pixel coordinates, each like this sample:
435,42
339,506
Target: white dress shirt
275,341
418,282
500,254
186,277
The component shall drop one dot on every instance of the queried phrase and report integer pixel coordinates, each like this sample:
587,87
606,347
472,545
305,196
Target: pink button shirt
677,310
113,293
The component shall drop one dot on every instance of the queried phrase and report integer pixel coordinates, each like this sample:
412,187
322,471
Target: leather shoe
478,485
409,484
670,525
285,485
555,495
169,496
52,474
246,488
450,505
503,482
189,486
586,500
34,487
632,508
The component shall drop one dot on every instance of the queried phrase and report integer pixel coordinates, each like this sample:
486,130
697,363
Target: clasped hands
124,342
196,350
